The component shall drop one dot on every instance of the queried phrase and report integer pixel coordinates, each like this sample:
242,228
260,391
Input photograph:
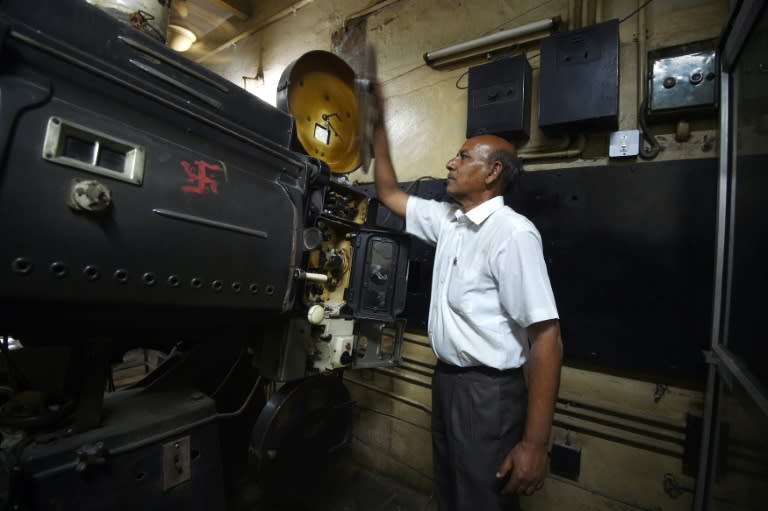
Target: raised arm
387,189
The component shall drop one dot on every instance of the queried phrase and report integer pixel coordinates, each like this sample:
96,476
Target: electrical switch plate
177,462
624,143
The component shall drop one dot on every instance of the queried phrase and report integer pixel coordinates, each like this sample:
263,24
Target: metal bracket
90,454
711,358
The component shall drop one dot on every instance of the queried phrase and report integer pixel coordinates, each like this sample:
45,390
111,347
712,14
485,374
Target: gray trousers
478,416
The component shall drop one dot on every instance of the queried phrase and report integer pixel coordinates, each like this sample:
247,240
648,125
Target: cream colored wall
629,439
624,458
426,112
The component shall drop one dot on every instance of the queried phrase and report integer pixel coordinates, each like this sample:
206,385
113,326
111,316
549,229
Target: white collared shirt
489,282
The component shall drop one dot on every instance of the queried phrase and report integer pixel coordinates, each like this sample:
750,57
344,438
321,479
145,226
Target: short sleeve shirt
490,281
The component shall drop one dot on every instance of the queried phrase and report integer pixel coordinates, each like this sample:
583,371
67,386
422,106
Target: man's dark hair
511,167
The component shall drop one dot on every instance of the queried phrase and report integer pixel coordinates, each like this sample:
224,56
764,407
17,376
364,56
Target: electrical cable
409,191
648,134
248,399
509,52
635,12
226,377
465,73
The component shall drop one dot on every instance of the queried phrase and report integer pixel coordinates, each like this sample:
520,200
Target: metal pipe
488,50
476,44
394,373
418,342
709,430
707,447
396,397
570,153
630,425
641,53
611,433
578,399
559,146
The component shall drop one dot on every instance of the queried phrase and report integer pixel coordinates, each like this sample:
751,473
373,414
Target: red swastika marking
199,177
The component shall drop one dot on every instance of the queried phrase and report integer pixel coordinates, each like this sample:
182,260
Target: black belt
489,371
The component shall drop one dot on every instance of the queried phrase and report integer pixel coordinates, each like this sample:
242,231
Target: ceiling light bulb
180,38
181,8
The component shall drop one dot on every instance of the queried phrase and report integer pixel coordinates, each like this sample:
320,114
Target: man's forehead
487,143
475,145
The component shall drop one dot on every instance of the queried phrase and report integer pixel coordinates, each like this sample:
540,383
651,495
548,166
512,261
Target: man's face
468,170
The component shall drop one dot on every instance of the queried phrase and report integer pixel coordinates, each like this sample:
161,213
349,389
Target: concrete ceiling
219,23
204,16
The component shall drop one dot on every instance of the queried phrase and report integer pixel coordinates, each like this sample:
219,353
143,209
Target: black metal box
160,448
499,99
580,78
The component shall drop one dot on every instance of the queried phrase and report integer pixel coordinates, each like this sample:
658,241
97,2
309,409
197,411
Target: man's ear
494,174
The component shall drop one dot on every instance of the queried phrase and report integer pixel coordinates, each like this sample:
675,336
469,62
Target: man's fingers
533,488
521,486
506,466
530,490
512,487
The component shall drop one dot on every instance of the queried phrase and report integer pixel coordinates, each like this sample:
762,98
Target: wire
539,6
404,73
465,73
408,190
653,152
245,404
635,11
229,373
141,20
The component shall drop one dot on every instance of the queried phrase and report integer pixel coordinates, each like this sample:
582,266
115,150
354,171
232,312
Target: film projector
150,206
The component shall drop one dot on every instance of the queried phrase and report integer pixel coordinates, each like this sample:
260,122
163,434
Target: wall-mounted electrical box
580,78
683,78
499,99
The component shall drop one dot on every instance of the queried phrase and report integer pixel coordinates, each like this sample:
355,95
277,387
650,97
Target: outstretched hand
526,465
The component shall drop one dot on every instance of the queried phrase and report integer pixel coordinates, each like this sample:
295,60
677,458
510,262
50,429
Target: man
491,299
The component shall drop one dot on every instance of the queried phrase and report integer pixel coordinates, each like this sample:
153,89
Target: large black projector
136,186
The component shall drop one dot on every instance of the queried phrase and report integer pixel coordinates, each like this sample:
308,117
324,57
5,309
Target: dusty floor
357,489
